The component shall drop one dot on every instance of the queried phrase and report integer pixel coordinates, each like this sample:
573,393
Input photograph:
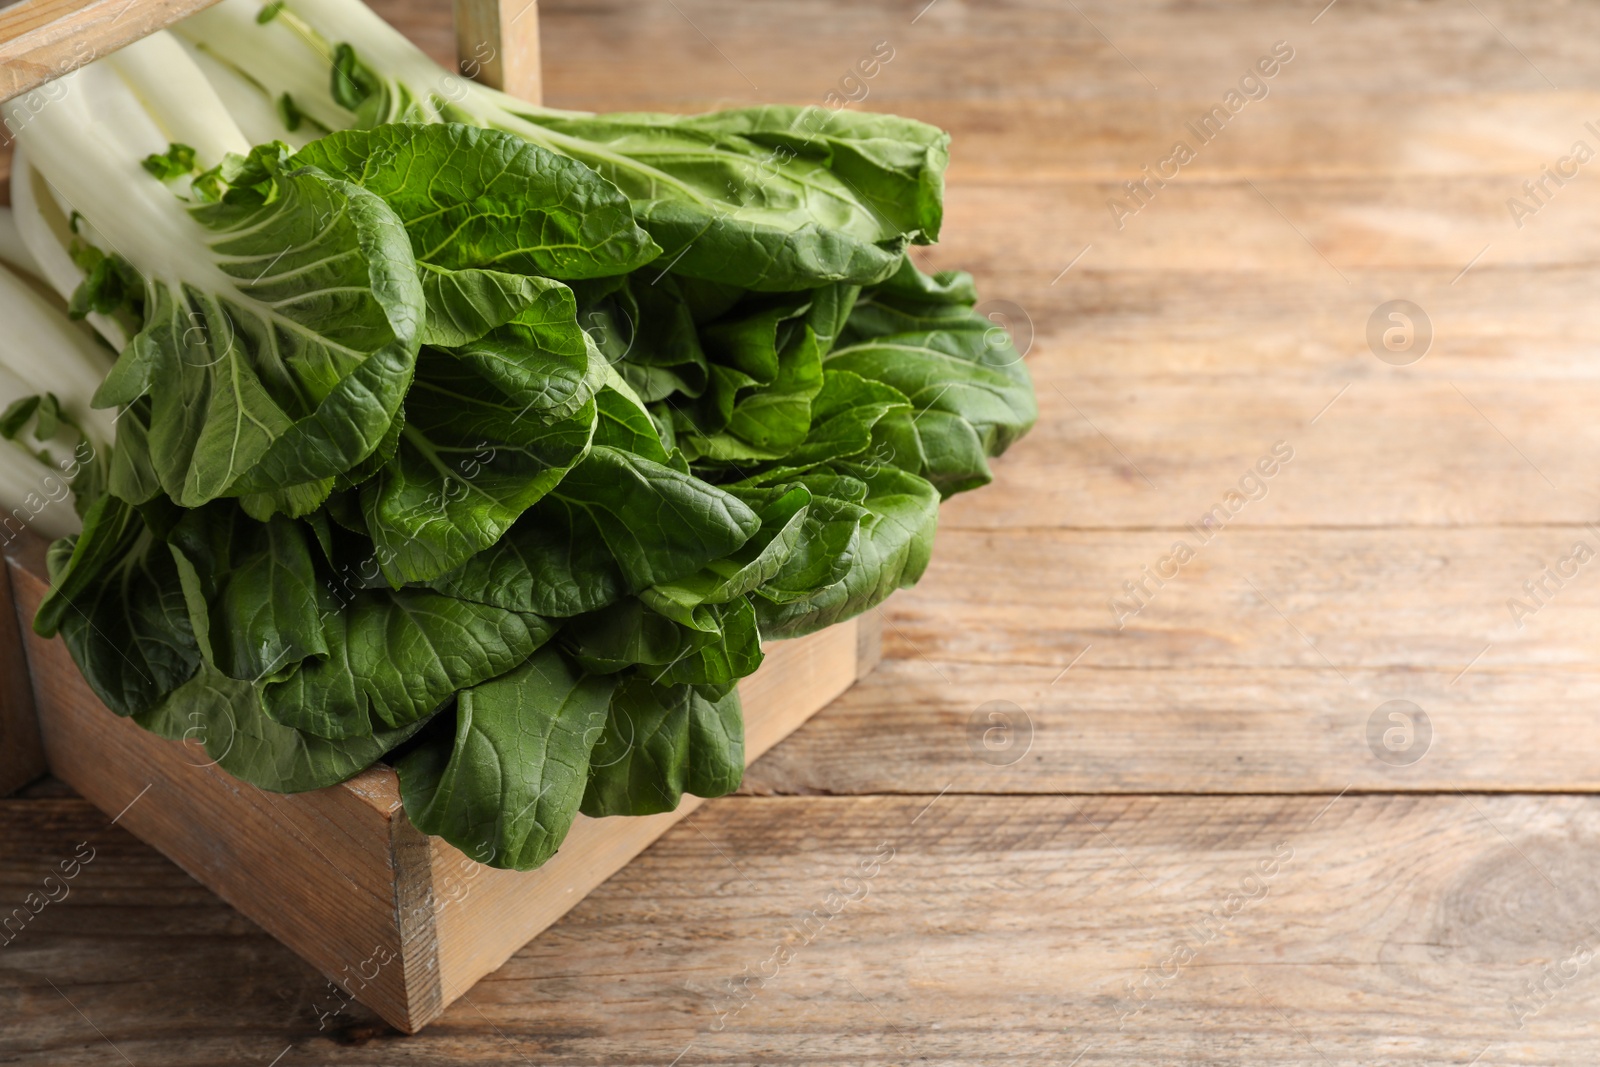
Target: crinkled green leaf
470,461
893,165
481,199
505,786
891,551
659,742
783,513
116,600
281,356
225,716
463,305
729,209
258,586
395,657
616,524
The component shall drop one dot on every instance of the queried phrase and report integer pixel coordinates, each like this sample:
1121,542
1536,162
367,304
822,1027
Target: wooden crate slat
44,39
497,42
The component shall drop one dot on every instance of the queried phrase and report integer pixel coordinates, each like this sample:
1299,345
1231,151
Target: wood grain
920,726
1322,600
1396,930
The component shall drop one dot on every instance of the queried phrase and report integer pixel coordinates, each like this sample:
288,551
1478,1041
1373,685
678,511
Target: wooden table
1196,837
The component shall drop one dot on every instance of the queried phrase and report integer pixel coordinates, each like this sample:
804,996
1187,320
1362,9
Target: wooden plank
21,753
1255,329
1336,234
1319,600
44,39
1396,930
1130,452
919,726
497,42
652,56
1045,140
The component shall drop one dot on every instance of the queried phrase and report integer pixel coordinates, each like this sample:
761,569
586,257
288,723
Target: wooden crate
402,922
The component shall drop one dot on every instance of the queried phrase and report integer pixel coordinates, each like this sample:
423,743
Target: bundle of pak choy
486,439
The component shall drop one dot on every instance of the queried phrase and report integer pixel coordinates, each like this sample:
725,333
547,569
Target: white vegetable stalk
177,96
46,235
279,56
84,152
90,145
12,250
42,351
247,103
33,496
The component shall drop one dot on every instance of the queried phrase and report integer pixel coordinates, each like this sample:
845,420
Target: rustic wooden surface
1102,896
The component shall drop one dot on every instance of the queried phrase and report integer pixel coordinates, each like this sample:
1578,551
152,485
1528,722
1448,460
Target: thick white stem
247,102
47,236
90,145
12,249
178,98
44,352
272,54
33,496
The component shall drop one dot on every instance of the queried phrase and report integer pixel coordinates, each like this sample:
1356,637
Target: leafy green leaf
177,161
481,199
892,549
640,764
661,741
895,166
727,208
470,461
616,524
225,715
716,744
116,600
463,305
505,787
288,363
783,513
255,586
395,657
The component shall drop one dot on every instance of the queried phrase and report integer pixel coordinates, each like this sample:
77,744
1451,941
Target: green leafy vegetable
491,440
